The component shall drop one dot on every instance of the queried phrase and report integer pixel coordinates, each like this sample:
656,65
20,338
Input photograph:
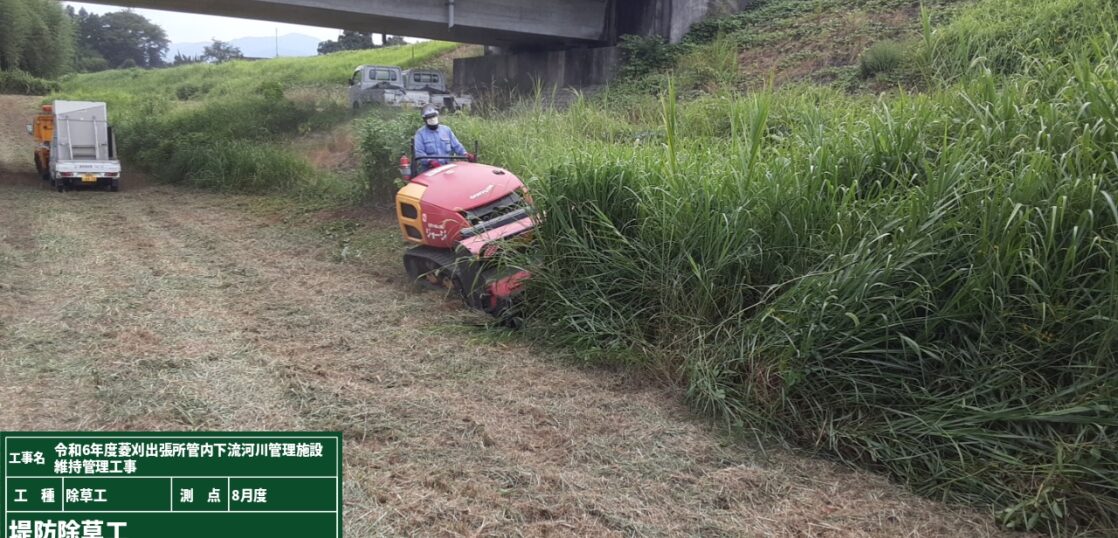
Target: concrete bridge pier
524,69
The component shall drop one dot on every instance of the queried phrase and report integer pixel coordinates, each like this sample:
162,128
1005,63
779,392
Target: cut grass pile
925,285
225,126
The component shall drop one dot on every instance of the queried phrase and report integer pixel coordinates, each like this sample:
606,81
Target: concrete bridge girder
505,23
556,43
582,67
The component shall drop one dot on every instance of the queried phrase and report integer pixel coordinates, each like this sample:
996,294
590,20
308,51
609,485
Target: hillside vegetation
226,125
855,45
924,284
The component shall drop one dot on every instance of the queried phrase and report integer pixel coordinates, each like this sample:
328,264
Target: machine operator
435,139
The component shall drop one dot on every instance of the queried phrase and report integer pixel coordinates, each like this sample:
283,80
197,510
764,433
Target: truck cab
376,84
42,129
425,80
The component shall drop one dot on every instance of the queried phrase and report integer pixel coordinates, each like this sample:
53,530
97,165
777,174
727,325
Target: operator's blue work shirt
440,141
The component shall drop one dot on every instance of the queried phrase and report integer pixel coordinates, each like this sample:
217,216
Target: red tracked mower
459,218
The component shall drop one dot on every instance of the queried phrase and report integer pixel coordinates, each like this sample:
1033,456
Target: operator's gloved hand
433,164
471,157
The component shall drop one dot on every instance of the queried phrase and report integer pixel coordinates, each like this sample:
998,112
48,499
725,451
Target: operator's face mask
432,122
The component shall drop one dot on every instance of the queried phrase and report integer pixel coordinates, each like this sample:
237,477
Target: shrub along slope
922,284
19,82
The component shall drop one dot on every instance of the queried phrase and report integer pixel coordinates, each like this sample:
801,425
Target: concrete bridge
505,23
515,26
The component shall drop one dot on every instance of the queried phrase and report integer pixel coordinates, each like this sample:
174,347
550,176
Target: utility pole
277,42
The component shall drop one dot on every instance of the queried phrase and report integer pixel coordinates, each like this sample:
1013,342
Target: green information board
171,485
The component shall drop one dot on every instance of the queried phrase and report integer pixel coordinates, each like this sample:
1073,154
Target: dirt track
170,309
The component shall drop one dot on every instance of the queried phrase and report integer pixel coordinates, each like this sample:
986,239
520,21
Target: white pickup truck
392,86
82,147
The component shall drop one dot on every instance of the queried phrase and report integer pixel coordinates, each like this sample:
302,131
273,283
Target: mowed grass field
169,308
883,231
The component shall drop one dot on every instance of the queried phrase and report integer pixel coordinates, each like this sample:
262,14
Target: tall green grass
1004,36
925,285
382,138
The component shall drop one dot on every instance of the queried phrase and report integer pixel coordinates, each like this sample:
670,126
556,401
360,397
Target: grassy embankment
923,284
920,283
226,126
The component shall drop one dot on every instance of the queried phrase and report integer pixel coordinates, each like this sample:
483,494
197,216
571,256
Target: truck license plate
89,178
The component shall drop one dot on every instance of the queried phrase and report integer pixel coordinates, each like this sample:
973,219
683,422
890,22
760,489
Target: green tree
120,36
52,50
36,37
185,59
349,40
86,32
15,19
220,51
328,46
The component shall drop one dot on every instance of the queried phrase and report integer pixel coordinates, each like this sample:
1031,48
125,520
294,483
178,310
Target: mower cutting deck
460,217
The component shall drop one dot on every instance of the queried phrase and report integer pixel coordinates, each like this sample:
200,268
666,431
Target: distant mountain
255,47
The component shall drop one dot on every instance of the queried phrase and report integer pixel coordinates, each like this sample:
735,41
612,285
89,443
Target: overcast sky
189,28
